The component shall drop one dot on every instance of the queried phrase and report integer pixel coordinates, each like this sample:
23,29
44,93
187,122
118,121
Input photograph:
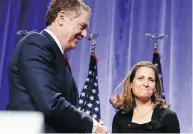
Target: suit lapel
56,48
63,68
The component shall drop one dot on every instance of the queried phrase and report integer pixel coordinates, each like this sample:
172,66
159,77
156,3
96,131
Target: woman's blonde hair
126,101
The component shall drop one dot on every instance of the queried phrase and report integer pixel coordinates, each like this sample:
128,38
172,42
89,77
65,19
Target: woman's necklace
143,114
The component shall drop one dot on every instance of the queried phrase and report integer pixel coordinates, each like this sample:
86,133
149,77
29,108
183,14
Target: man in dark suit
40,78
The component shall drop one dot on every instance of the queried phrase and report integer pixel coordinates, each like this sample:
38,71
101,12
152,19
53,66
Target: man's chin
73,45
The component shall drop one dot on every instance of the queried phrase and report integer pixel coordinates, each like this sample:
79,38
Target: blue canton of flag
89,99
157,63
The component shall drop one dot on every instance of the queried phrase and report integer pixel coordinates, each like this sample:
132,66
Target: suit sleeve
171,123
40,81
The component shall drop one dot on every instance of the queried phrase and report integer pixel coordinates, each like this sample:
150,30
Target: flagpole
156,57
89,101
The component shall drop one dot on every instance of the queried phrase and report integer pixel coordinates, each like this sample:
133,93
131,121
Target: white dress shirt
56,40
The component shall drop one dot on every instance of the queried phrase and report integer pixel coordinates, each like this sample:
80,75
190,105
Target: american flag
89,100
157,63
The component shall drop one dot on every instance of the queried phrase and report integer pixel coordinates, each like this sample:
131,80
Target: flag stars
156,64
80,101
89,105
88,112
89,101
90,72
95,84
94,91
96,109
85,86
87,79
94,116
83,94
91,98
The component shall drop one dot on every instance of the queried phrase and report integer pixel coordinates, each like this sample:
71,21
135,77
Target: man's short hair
66,5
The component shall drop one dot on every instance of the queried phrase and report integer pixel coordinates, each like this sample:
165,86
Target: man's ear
60,18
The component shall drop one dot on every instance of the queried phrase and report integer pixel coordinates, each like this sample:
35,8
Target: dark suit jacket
163,121
40,80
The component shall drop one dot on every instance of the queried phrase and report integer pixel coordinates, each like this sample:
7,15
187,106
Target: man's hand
100,128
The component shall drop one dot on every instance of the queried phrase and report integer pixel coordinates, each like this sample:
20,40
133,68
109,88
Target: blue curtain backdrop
121,43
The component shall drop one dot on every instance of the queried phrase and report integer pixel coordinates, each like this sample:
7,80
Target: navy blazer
40,80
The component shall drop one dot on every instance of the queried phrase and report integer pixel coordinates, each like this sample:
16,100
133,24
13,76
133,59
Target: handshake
99,127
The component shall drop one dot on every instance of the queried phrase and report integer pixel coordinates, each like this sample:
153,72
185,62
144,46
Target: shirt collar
56,40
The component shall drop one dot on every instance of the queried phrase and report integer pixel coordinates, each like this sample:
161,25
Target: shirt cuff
95,123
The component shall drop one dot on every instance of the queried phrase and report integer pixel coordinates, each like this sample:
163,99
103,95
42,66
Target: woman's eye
151,80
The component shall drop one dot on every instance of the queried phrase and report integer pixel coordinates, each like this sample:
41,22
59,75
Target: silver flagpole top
155,38
92,37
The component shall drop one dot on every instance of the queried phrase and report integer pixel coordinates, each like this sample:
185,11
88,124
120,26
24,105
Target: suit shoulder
35,37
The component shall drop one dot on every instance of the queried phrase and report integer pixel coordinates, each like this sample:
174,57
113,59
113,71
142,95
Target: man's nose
84,33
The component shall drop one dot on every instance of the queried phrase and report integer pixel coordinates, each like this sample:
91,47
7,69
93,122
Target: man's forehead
85,16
